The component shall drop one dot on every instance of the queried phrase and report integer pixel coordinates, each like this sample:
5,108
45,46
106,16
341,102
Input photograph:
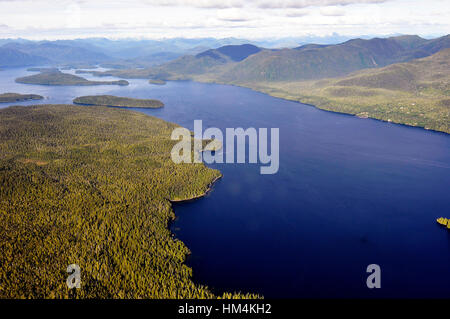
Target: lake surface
350,192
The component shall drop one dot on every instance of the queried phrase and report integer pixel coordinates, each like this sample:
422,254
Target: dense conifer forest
92,186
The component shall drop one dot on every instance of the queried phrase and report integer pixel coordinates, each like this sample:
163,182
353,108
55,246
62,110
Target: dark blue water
350,192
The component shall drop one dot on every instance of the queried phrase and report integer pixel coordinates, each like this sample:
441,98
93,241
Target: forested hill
92,186
206,61
414,93
234,52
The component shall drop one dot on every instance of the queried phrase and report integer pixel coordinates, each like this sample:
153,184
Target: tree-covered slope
206,62
234,52
317,62
416,93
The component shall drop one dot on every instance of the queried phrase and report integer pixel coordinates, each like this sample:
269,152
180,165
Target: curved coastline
208,190
293,99
172,222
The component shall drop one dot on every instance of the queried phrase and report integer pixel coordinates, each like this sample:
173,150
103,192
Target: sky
250,19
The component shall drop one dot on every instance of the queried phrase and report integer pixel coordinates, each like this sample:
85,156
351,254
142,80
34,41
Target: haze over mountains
129,53
114,53
119,53
15,58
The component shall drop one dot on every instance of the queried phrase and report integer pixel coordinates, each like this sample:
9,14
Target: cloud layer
220,18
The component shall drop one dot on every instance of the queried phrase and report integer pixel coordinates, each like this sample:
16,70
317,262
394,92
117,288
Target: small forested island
92,186
16,97
157,82
110,100
60,78
444,222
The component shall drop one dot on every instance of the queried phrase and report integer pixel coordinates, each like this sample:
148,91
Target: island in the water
444,222
157,82
16,97
93,186
60,78
110,100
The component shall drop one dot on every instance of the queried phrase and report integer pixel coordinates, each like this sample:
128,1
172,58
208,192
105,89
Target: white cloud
332,11
297,13
220,18
234,15
221,4
311,3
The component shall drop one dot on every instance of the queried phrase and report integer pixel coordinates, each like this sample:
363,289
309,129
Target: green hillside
191,65
317,62
416,93
235,53
92,186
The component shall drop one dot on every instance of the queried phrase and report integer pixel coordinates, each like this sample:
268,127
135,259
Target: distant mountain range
268,63
307,62
53,53
129,53
112,53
